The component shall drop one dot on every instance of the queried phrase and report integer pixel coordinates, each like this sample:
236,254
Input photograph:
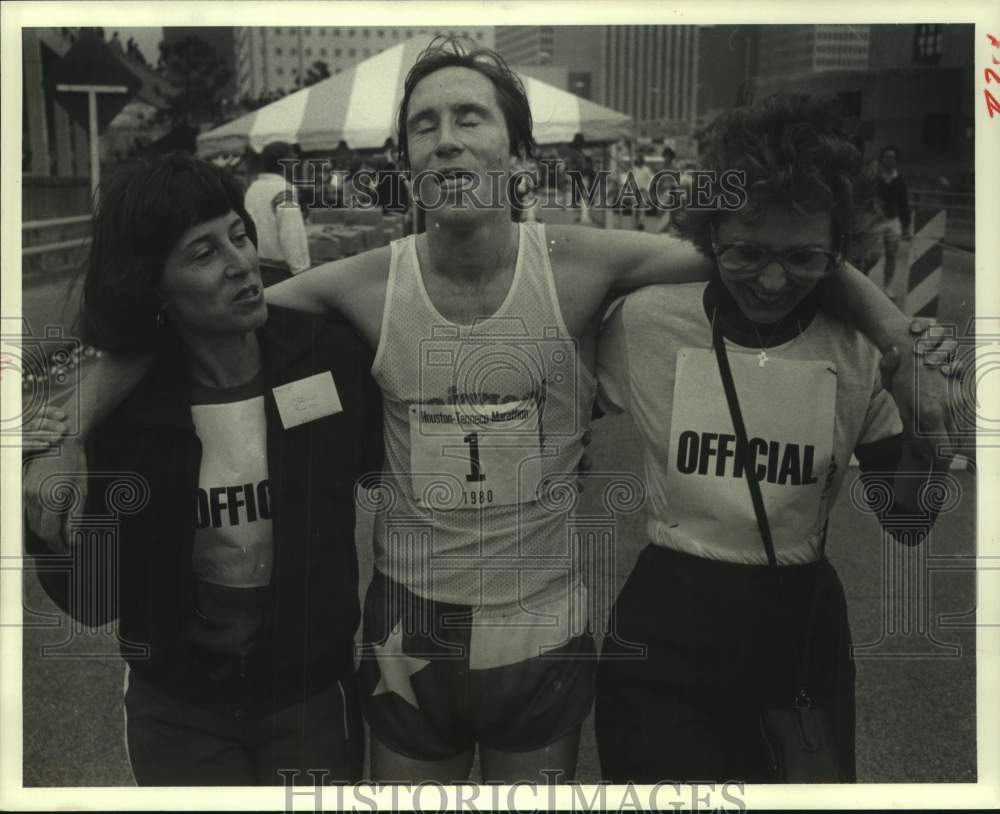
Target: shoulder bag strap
758,502
741,440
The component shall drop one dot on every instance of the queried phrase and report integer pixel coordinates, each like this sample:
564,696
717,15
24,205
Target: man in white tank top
457,315
485,335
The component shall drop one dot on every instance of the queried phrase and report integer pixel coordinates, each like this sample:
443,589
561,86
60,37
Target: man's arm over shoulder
354,287
589,264
76,569
625,260
104,384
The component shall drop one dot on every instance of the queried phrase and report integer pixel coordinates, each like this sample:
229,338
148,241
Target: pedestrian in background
642,177
282,243
895,201
578,162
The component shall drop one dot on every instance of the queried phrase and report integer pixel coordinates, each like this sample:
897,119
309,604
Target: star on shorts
397,668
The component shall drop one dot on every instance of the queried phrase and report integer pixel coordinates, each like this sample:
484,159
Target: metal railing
54,247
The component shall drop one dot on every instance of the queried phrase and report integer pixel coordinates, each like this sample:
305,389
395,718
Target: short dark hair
271,155
142,210
793,152
450,51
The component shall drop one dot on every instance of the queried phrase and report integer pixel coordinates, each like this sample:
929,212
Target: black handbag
799,736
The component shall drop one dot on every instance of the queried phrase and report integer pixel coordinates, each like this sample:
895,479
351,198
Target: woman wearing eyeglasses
712,625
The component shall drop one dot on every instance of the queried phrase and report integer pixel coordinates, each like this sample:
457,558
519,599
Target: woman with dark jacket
219,522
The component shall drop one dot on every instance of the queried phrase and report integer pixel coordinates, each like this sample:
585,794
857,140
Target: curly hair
452,51
793,152
143,209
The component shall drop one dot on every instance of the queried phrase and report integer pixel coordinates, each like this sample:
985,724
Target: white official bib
464,456
788,408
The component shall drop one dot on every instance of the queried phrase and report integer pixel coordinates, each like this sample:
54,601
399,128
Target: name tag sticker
307,399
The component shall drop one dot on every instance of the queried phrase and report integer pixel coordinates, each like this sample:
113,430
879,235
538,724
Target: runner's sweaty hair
446,52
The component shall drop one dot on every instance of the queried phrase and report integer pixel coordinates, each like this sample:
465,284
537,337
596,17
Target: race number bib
788,408
466,456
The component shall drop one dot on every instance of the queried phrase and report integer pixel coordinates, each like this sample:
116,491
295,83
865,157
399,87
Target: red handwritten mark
992,105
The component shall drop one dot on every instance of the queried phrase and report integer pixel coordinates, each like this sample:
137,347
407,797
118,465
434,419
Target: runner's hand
44,430
916,373
53,485
585,466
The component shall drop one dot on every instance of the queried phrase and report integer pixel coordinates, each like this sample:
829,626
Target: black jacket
306,640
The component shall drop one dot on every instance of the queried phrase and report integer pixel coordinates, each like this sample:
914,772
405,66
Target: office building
273,60
651,73
792,51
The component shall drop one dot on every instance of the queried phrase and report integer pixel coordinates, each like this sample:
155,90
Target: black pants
722,642
174,743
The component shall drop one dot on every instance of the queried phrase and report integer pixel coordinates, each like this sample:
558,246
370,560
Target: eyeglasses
742,259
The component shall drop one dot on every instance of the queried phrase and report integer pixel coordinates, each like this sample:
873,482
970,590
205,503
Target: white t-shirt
281,232
811,402
233,545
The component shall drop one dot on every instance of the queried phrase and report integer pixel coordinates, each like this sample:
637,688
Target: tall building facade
527,44
275,59
727,65
792,51
567,56
913,89
651,73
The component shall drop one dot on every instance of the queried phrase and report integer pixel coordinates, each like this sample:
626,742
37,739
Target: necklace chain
765,345
762,357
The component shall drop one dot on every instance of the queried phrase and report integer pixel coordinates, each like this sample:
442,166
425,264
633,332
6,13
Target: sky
148,40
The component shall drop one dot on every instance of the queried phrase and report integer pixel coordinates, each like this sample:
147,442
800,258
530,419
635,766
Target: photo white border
15,15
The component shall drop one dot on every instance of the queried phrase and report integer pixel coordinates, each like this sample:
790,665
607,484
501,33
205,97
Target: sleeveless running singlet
483,426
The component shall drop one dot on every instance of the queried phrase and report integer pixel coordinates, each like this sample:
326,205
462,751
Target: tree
192,67
251,103
317,71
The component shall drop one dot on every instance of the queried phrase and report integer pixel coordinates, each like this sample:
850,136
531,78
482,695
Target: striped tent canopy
359,106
